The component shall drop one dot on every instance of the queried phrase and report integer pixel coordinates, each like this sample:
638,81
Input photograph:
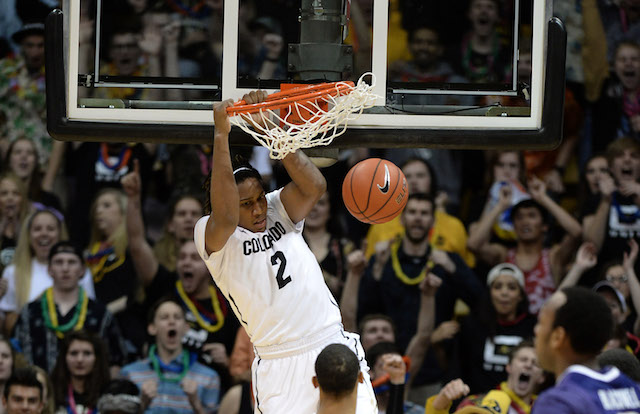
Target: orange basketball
375,191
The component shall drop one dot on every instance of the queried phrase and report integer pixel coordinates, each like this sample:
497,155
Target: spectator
573,327
80,373
499,323
22,100
618,109
505,169
97,166
22,159
621,22
595,175
390,284
385,358
337,376
40,231
494,402
614,217
448,232
374,328
114,276
615,275
7,361
170,378
14,208
543,267
212,327
264,60
524,378
120,396
426,66
132,52
62,308
483,56
622,275
322,234
184,211
23,393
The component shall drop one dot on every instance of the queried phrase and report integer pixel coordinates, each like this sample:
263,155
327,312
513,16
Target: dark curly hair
242,170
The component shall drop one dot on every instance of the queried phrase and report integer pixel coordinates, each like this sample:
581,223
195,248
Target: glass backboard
468,74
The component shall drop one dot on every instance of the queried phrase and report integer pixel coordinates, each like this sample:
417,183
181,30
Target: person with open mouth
496,326
613,218
170,378
253,246
212,326
520,388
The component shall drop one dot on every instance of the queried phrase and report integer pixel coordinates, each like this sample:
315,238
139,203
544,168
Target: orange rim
284,99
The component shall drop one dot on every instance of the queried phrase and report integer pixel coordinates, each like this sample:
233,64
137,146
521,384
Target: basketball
375,191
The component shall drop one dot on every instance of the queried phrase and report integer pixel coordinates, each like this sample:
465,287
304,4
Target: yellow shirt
448,234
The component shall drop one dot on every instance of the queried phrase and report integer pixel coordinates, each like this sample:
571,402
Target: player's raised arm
305,189
223,191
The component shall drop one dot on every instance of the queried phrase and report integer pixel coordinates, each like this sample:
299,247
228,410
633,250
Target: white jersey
271,279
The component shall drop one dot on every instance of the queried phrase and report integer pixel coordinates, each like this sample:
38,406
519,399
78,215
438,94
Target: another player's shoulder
557,401
582,389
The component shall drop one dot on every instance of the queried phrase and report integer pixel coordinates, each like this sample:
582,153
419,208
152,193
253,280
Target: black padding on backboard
548,136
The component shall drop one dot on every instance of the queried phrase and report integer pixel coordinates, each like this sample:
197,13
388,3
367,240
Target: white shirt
271,279
40,281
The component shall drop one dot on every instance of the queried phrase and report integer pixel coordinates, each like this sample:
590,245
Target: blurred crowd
105,300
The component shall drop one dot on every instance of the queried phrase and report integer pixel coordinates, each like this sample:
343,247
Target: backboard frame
541,130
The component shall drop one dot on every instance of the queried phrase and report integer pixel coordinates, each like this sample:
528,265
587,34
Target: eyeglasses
614,279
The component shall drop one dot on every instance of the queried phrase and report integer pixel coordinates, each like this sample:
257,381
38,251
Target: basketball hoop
304,117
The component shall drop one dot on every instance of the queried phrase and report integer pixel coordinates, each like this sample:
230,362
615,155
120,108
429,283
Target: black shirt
39,344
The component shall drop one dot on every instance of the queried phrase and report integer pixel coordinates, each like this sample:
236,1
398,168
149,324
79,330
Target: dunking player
252,244
573,327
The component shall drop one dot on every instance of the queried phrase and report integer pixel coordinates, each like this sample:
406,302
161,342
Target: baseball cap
28,29
495,402
65,247
505,268
605,285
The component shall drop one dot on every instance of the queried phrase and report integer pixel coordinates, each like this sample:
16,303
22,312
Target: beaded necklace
155,362
215,304
474,73
397,267
50,314
71,406
198,10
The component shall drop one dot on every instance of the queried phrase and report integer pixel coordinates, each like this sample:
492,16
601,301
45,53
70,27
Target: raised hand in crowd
393,365
218,353
606,185
383,252
629,188
446,330
586,258
356,265
440,257
452,391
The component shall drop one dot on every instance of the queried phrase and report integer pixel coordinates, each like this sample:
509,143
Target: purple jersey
582,390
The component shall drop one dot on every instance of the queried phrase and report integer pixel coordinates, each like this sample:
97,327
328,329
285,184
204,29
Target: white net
307,124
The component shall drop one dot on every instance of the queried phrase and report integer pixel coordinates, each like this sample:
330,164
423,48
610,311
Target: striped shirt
170,397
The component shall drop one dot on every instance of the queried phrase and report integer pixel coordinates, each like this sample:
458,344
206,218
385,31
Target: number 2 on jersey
278,257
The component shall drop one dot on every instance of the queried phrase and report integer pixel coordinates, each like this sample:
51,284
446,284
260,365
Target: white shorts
282,374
